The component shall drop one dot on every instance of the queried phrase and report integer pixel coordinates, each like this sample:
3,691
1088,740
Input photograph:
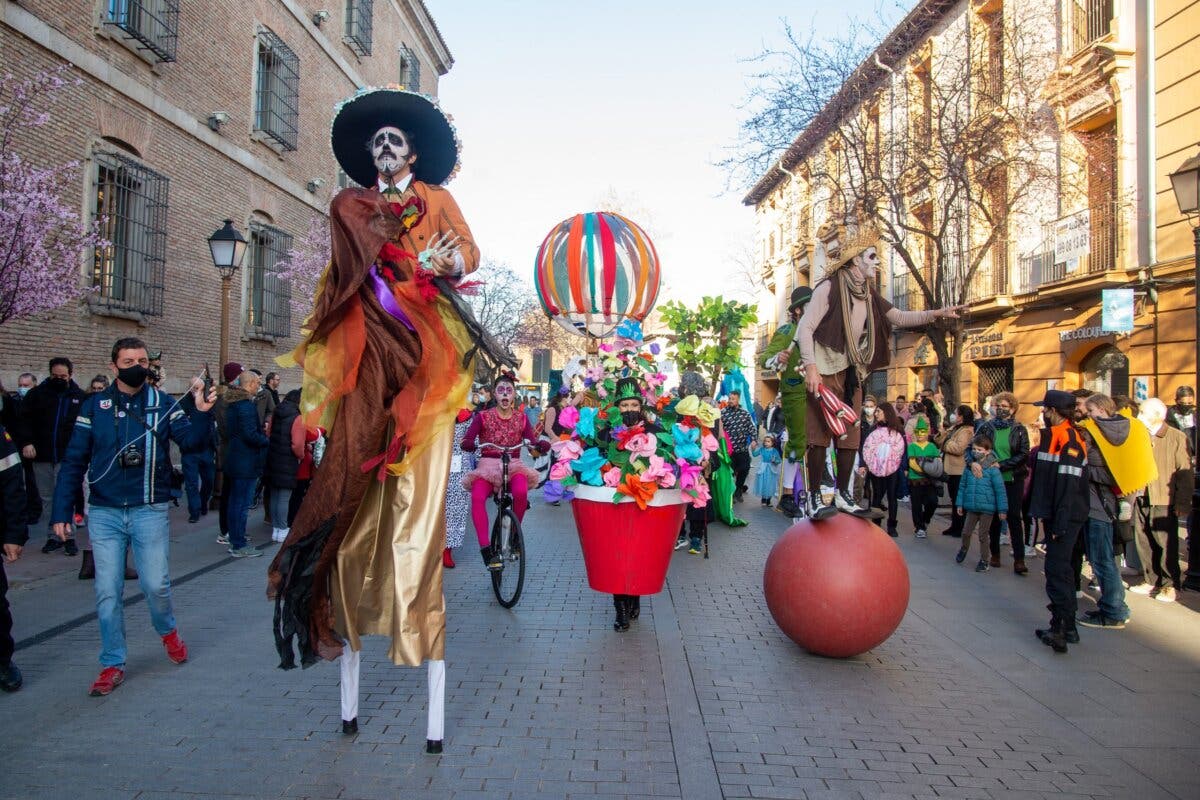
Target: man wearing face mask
844,336
48,415
1182,416
1011,447
121,446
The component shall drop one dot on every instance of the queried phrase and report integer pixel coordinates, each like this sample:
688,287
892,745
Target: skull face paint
391,152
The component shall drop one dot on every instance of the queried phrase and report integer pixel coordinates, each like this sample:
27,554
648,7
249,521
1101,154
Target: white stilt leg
349,663
437,700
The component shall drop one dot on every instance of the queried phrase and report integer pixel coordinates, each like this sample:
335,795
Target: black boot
634,603
621,623
1053,636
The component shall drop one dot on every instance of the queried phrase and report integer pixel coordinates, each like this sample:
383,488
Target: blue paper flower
630,329
687,443
587,422
588,466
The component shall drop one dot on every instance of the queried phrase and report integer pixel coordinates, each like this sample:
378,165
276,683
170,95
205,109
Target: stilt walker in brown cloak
388,358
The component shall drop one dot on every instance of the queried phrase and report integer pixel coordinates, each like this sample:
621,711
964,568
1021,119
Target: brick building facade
188,114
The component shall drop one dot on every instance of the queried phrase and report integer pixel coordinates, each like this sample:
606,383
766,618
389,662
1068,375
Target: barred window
131,205
152,24
358,26
277,101
268,296
410,69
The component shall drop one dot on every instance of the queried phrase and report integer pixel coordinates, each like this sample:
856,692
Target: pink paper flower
689,474
560,470
708,443
568,417
699,496
658,471
612,478
567,449
642,444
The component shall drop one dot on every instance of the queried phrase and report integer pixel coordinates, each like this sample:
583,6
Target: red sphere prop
837,587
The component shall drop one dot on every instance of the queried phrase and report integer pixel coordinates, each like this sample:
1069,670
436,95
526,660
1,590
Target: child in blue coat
768,469
980,499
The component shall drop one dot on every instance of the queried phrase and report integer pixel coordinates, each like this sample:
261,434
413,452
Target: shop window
1106,371
994,377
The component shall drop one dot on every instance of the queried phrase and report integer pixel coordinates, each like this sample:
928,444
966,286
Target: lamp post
1185,182
228,248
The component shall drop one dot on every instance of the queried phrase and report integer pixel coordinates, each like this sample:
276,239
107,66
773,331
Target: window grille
268,295
410,69
277,100
1092,20
131,205
994,377
153,24
358,26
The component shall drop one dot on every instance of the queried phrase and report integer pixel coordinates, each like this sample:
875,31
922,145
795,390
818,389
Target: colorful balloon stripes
594,270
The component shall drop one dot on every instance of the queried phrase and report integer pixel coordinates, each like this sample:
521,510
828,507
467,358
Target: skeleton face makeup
504,393
867,263
391,152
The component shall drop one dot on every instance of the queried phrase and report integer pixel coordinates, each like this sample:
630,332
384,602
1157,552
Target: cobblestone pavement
703,698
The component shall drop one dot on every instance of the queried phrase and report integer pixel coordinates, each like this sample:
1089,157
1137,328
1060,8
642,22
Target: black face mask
58,383
1185,408
134,376
631,418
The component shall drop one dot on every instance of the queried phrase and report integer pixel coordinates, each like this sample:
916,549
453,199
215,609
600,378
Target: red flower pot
626,550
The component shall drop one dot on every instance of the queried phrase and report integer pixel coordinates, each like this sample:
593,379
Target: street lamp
1185,182
228,248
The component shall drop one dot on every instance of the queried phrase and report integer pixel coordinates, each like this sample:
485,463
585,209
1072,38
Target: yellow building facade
1125,95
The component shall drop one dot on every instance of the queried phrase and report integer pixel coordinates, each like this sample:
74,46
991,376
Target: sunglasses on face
393,139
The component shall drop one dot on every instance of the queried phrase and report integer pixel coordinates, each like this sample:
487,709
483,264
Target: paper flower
560,470
708,443
655,349
586,426
567,449
568,417
687,443
699,495
659,472
595,373
641,444
588,466
640,491
630,329
691,406
612,477
689,474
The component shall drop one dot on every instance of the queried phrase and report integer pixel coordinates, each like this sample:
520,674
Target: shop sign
1073,237
1141,388
1116,310
984,345
1090,332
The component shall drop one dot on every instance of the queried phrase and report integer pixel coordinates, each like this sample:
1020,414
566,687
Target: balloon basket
626,550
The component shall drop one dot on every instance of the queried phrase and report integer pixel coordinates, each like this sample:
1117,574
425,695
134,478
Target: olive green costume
792,389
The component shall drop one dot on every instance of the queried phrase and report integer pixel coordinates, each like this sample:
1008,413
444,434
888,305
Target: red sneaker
447,558
110,678
176,649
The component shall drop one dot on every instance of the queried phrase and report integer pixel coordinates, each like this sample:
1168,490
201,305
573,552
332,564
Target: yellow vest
1131,462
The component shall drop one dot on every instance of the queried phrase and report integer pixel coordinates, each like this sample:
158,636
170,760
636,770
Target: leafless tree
501,303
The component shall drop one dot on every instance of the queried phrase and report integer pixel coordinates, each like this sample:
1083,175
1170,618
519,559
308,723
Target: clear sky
562,104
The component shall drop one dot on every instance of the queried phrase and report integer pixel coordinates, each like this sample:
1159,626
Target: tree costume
845,335
792,390
388,359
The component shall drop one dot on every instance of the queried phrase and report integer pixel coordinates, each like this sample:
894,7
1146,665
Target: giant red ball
837,587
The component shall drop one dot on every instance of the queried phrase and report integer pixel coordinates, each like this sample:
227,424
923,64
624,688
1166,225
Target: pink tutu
489,469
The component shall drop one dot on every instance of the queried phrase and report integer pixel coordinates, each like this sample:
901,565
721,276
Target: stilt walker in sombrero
387,358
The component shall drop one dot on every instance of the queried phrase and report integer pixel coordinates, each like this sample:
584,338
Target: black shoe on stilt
433,746
622,620
350,726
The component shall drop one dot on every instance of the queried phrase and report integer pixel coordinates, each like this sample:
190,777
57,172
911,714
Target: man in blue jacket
120,444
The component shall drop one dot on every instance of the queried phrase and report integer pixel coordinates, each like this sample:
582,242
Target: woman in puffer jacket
883,455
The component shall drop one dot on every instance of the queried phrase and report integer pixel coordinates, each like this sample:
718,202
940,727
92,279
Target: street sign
1072,237
1116,310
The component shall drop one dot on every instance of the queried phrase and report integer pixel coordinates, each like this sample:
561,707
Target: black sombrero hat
356,118
800,296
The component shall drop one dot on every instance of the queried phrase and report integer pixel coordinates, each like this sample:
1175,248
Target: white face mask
952,418
23,390
868,411
390,151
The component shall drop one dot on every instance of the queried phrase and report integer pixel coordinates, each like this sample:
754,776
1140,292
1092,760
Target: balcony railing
763,336
1039,268
1091,20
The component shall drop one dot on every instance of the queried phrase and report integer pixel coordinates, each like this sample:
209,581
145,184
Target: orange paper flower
641,492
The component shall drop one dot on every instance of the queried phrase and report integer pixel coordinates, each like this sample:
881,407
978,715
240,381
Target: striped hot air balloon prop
595,270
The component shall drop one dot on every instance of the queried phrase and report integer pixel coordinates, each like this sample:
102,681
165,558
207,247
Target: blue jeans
198,471
1099,544
241,495
112,531
278,505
